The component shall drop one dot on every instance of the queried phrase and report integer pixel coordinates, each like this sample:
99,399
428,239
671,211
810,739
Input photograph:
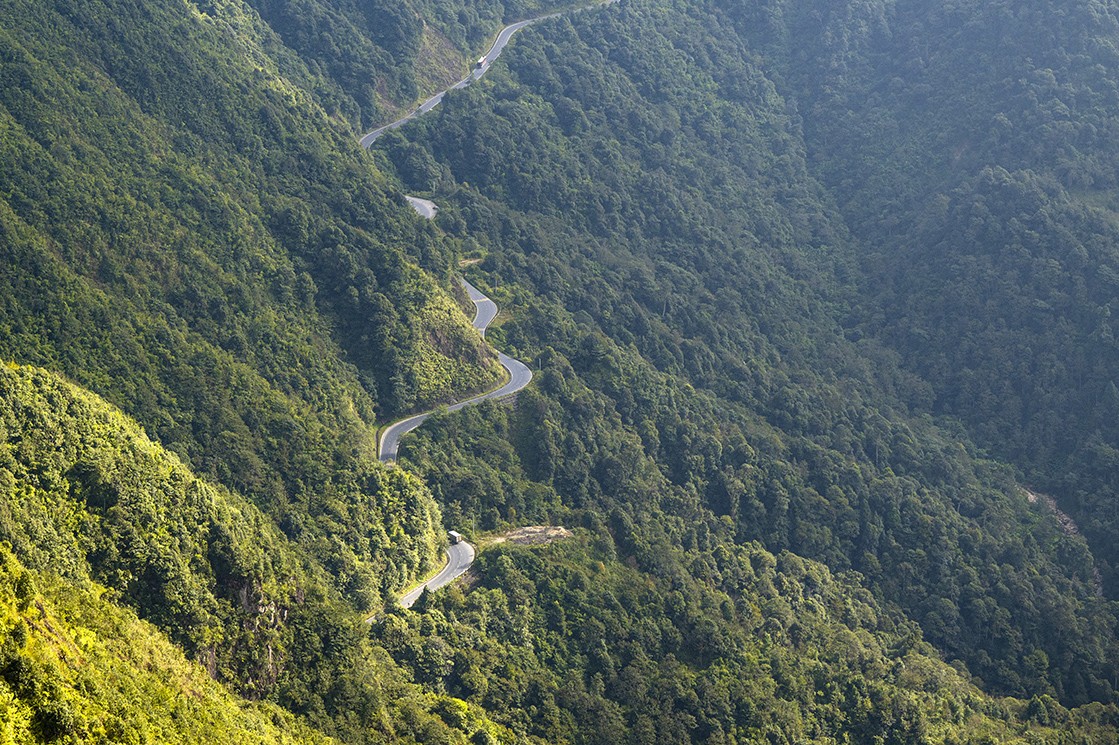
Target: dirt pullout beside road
1067,523
534,535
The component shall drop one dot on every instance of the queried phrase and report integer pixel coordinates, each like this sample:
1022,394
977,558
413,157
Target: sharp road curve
495,51
481,69
425,207
460,555
459,558
519,377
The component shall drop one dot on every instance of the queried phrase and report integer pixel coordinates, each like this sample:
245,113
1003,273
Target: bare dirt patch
1067,524
534,535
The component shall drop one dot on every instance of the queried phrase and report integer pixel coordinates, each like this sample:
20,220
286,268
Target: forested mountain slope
774,540
377,56
972,149
185,232
76,668
570,644
89,503
657,189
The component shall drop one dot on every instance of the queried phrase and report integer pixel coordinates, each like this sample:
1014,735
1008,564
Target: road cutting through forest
460,555
481,68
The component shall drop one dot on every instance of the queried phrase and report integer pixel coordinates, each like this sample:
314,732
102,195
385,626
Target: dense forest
983,190
812,293
715,335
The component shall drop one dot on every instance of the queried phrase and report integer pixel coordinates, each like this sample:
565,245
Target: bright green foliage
673,218
86,496
74,668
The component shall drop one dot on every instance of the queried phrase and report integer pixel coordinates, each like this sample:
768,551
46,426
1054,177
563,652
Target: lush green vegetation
971,149
76,668
233,274
690,275
89,502
378,57
756,253
571,645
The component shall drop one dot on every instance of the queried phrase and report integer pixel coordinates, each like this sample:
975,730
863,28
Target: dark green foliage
701,365
716,646
972,149
673,201
185,232
374,54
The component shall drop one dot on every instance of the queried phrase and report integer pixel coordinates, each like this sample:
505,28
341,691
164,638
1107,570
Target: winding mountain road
424,207
495,51
460,555
459,558
503,38
519,376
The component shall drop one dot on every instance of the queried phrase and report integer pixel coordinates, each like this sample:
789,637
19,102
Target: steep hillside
573,645
688,270
377,57
89,502
185,232
774,538
74,668
971,149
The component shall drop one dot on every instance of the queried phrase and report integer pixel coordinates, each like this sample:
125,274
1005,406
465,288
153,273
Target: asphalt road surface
495,51
459,555
519,377
487,309
459,558
424,207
